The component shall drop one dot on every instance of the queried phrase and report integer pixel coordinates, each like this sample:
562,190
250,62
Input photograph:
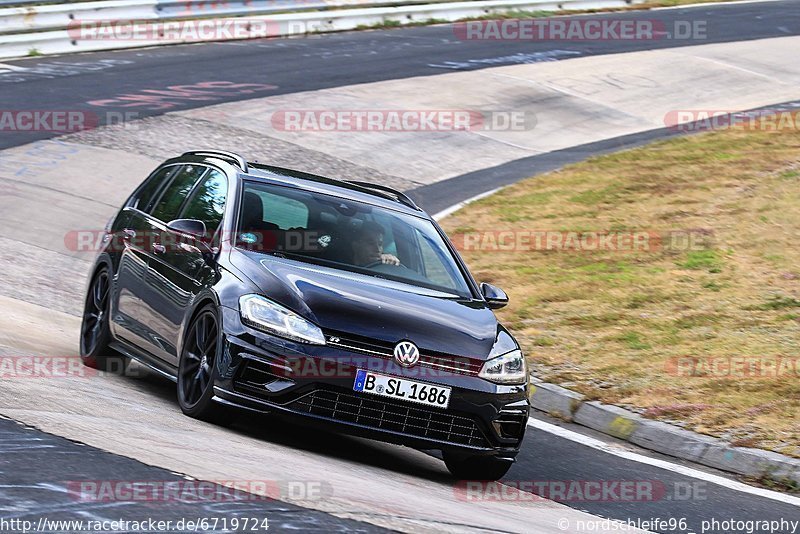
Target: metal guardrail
167,9
30,3
62,16
20,20
193,5
56,28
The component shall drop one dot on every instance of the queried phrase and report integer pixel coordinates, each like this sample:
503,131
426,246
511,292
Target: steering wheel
374,264
380,263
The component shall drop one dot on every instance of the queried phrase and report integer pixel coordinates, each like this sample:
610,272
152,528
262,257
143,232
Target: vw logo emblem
406,354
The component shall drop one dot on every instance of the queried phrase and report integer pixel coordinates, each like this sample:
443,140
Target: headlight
509,368
263,314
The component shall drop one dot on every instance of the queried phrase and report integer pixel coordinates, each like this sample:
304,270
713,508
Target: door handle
159,249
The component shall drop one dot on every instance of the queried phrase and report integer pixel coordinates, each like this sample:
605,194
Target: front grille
387,415
434,360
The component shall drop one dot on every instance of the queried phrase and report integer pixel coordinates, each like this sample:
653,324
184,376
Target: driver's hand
389,259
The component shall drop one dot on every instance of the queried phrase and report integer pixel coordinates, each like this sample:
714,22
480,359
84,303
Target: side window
284,212
144,198
389,245
435,269
169,205
208,201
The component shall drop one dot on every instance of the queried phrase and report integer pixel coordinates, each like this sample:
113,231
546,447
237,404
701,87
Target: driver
368,246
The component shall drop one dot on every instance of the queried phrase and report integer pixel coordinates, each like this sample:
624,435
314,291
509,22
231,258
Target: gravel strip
170,135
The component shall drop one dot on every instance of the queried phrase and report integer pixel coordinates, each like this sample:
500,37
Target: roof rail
401,197
238,160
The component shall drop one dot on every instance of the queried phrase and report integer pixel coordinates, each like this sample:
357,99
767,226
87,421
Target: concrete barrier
662,437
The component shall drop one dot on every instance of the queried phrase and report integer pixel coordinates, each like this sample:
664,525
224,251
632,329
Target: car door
178,270
147,227
130,255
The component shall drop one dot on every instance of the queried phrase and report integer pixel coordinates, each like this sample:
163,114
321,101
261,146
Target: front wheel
476,467
95,331
196,367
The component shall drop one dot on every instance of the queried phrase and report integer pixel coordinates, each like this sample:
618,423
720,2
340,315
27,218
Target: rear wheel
476,467
95,332
197,365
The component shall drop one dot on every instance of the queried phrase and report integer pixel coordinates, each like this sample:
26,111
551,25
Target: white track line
602,446
454,208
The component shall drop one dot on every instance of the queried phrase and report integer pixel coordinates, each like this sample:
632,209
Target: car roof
369,193
360,191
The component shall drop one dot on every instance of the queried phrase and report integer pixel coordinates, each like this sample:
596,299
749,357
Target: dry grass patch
614,325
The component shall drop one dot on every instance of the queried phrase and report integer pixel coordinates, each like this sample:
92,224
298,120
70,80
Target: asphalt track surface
293,65
139,81
42,475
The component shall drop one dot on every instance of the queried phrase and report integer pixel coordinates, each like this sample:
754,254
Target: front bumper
264,373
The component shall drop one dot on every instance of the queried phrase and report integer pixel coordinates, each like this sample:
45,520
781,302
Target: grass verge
701,326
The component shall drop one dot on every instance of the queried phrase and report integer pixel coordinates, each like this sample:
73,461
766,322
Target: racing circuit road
131,426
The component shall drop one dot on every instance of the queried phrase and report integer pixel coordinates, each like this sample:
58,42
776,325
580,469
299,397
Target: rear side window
144,198
169,205
207,203
284,212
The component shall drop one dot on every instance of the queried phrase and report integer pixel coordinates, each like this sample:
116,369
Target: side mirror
495,297
192,227
196,229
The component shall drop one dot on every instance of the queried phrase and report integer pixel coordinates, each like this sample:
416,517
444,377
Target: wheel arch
102,261
201,301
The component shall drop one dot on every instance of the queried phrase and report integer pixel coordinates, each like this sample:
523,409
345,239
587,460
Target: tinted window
284,212
388,224
171,200
432,262
208,201
147,193
347,235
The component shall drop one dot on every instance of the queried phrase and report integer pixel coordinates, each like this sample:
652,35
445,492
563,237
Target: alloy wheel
95,313
199,354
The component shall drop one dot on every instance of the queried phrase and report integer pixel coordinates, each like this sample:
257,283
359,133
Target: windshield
346,235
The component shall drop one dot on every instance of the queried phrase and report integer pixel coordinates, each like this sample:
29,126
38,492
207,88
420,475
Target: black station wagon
341,303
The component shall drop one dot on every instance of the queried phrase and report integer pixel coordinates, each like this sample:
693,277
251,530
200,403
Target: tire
95,332
197,367
476,467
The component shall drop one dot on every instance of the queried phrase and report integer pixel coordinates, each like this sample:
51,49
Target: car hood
375,308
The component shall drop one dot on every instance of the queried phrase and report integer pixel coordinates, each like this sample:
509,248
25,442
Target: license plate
401,388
